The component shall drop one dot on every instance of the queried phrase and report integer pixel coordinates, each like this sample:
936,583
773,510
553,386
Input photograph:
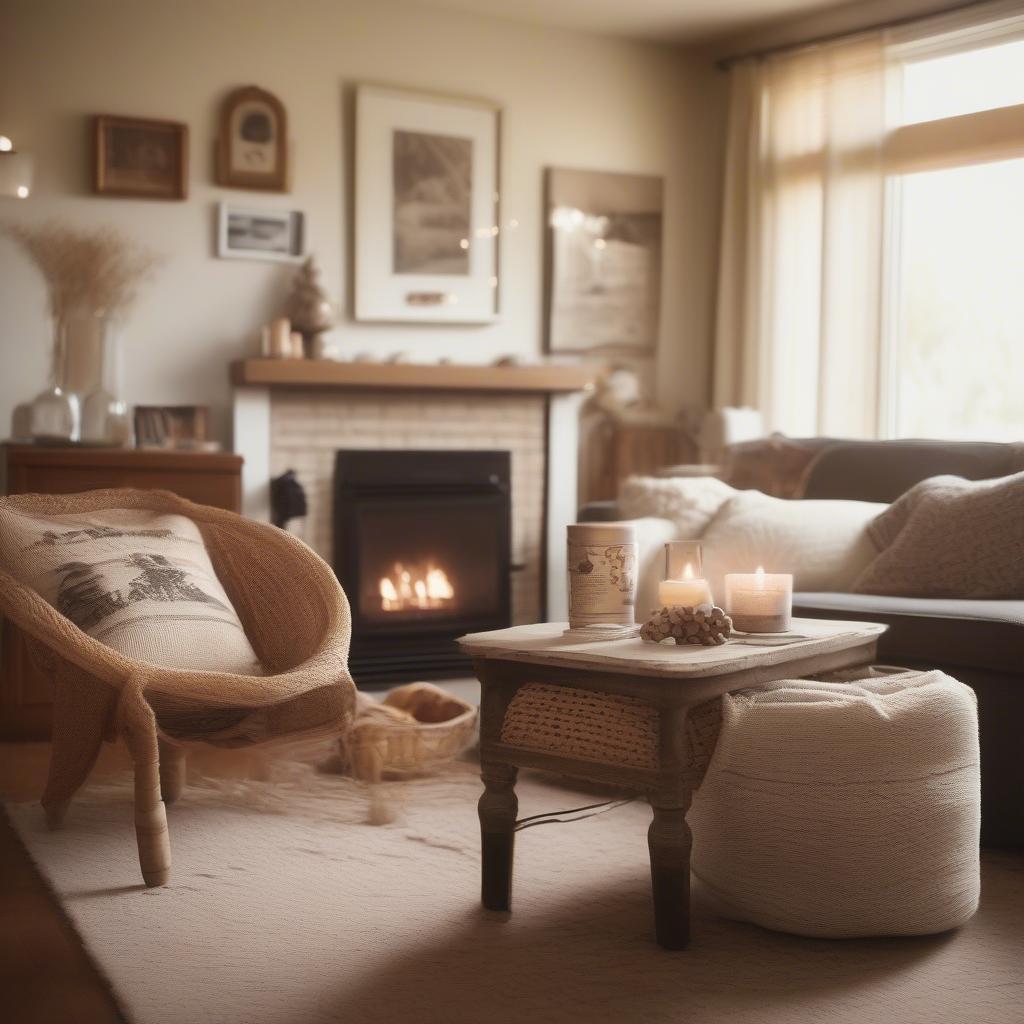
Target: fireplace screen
422,549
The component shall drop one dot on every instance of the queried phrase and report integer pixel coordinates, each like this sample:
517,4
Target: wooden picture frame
426,207
140,158
252,146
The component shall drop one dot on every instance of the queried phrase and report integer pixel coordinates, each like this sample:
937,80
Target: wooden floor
46,976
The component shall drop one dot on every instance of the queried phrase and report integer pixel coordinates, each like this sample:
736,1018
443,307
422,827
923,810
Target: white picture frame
250,233
426,208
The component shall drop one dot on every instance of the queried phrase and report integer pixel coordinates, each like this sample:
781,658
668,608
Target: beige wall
569,99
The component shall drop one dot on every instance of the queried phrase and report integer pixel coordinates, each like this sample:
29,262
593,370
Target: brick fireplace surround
297,414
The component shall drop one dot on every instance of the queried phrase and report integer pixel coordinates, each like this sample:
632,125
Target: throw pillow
951,537
825,544
139,581
690,502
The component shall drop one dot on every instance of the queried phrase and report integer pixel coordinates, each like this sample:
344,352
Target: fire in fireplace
422,549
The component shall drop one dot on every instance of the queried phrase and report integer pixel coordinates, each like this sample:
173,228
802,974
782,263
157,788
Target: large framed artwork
426,201
603,281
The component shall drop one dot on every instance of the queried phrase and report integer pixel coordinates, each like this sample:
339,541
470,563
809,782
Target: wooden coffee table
670,680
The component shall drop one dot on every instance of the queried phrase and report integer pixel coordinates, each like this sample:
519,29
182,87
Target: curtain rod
725,63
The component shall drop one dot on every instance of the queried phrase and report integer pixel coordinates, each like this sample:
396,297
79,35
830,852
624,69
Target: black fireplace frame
401,651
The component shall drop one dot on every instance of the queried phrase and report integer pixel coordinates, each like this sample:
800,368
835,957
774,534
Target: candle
759,602
683,583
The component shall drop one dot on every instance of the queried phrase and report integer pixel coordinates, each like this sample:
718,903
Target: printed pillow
825,544
139,581
690,502
951,537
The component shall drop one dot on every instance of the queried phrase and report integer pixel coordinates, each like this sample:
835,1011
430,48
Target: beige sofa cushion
950,537
825,544
138,581
690,502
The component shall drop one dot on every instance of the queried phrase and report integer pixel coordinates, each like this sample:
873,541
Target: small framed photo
250,234
141,159
252,149
426,225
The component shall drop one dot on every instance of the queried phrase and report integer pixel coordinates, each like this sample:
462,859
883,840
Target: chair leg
172,771
151,826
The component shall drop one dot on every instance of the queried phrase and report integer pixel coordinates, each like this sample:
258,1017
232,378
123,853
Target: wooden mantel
327,373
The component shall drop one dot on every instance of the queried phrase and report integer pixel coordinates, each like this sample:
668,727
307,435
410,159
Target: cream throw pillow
690,502
951,537
825,544
140,582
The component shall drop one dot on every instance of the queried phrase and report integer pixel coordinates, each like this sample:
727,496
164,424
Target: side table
530,674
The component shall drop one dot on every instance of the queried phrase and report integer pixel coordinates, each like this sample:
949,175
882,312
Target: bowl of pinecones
705,625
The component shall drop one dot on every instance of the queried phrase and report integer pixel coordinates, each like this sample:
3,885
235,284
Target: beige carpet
285,908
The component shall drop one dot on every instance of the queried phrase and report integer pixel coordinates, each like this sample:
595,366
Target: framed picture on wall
252,148
140,158
252,234
426,202
603,279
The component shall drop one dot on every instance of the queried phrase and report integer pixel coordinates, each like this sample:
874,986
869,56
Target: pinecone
707,625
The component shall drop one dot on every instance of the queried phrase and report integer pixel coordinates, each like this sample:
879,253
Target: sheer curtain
799,304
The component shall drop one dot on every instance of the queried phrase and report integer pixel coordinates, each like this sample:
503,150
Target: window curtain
798,332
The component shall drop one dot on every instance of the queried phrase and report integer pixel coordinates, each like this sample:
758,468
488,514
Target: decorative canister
602,574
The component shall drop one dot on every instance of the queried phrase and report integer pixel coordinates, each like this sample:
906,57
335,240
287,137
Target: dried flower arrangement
98,270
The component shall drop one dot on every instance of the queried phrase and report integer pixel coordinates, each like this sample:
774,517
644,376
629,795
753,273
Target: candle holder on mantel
684,584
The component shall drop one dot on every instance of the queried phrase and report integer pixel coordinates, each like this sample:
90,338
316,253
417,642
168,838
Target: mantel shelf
326,373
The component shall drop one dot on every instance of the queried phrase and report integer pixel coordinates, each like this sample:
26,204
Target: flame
412,590
688,572
759,578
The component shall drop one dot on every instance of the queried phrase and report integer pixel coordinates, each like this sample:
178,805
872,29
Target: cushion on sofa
824,544
139,581
950,537
690,502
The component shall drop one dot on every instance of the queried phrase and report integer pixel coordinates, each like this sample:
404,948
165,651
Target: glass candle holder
759,602
684,582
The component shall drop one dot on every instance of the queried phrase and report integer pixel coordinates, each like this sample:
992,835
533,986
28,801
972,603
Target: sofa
980,642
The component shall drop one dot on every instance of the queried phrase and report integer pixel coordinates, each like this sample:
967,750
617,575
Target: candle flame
688,572
759,577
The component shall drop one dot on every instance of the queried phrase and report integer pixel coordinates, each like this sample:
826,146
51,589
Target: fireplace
422,549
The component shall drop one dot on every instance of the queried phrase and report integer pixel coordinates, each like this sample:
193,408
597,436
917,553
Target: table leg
497,809
669,841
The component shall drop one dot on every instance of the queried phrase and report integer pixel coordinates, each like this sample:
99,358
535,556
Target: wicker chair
295,616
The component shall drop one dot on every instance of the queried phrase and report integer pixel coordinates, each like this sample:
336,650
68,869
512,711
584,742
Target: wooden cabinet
210,479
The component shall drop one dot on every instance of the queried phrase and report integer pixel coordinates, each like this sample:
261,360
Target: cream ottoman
843,809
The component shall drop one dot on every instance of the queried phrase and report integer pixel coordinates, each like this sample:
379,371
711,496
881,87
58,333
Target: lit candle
759,602
690,591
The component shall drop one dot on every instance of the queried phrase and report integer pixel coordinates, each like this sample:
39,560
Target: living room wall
569,99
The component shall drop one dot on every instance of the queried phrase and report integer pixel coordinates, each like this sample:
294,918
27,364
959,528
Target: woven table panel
597,727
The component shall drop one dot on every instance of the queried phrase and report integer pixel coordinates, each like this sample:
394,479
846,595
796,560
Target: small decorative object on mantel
140,159
91,277
252,149
760,602
309,309
279,341
602,559
705,625
426,230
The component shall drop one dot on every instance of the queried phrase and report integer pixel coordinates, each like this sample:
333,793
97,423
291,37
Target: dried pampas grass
98,270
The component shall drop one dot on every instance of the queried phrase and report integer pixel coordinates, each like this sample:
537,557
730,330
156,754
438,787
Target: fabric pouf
844,809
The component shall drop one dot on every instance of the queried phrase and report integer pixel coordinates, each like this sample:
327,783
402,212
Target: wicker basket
415,729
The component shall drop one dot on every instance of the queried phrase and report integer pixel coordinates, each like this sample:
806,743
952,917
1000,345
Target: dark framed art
252,148
140,158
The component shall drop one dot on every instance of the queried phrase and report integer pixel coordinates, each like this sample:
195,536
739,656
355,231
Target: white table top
543,644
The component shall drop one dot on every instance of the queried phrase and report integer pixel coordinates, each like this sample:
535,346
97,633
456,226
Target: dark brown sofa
979,642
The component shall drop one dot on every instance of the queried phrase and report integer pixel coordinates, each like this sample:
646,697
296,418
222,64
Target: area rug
286,907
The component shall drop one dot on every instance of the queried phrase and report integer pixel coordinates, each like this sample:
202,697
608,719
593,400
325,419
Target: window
953,350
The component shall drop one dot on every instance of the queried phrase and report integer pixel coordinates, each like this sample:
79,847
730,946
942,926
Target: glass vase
55,417
105,414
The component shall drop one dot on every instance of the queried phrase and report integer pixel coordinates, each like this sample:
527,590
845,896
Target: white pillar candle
689,591
759,602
